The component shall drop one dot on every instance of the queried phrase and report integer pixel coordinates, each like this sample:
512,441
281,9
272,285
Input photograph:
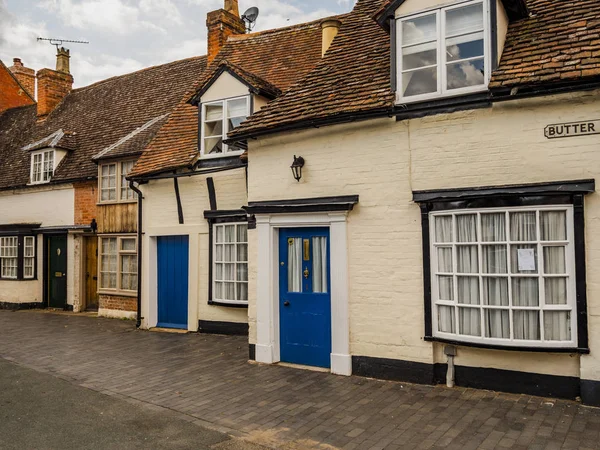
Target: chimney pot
17,62
330,29
62,60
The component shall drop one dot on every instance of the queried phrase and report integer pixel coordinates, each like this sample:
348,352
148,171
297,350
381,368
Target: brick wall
221,24
115,302
383,161
86,196
25,75
11,94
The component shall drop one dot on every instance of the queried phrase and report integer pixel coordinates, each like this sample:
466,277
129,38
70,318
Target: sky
128,35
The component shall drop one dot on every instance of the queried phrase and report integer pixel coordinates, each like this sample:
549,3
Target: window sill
581,351
118,293
228,305
221,155
124,202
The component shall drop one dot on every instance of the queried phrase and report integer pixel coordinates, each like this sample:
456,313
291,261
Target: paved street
206,380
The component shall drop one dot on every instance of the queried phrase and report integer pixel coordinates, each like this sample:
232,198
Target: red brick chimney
53,85
25,75
221,24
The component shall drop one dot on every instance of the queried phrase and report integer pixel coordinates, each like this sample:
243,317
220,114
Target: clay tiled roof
95,117
270,60
560,41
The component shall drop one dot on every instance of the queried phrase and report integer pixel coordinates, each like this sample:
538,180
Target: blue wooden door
305,299
173,257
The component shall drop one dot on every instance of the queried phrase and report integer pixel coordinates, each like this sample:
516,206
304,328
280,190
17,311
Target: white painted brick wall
384,161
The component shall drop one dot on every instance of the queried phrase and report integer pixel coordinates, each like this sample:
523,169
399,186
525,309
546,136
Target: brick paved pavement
208,380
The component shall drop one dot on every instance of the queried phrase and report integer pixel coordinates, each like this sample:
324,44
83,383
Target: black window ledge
228,305
581,351
318,204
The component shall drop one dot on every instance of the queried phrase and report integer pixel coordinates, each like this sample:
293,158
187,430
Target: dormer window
42,166
218,119
443,52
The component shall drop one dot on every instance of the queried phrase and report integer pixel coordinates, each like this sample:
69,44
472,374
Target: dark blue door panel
305,299
173,257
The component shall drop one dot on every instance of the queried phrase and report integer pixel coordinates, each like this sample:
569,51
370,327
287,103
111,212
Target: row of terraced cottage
386,193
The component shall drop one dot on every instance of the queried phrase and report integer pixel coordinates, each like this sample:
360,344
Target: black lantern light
297,166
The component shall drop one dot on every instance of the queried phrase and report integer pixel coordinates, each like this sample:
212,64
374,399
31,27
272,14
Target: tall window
443,52
29,257
218,119
504,276
9,252
114,186
118,263
230,266
42,166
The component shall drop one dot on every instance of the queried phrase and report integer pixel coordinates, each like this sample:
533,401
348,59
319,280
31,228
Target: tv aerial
249,17
59,42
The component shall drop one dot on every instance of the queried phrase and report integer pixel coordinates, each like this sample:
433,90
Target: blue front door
173,256
304,297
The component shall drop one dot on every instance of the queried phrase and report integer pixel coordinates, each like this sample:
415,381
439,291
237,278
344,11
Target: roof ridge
144,69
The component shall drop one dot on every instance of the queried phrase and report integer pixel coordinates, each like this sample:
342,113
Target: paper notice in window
526,258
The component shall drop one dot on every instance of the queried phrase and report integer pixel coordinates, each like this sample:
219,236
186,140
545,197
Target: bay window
114,186
218,119
230,263
118,264
443,52
504,276
42,166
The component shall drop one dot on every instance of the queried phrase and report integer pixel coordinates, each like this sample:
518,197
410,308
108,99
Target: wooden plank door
91,273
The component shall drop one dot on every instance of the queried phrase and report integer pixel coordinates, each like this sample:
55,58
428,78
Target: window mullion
509,270
540,274
454,276
441,26
480,271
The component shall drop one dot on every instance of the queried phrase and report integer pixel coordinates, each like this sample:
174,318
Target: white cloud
99,67
161,10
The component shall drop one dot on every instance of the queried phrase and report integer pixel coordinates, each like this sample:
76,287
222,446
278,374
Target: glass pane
495,291
109,245
423,81
213,145
446,319
557,325
319,264
494,259
497,323
554,260
219,253
219,291
468,290
229,291
443,229
230,252
493,227
242,252
229,233
444,255
556,291
294,264
465,74
242,272
524,258
469,320
462,47
446,288
525,292
242,233
421,55
526,325
421,29
464,20
242,291
219,233
522,226
466,258
219,272
229,272
237,107
466,226
235,122
128,244
213,112
553,225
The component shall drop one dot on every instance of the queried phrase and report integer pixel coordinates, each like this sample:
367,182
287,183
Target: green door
57,271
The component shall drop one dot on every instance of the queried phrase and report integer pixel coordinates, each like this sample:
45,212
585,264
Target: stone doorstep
168,330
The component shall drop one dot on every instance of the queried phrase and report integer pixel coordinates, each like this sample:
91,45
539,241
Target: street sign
572,129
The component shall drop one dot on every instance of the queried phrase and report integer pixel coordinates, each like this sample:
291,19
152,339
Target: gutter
135,189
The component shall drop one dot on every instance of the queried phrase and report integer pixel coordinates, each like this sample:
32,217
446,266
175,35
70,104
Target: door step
169,330
302,366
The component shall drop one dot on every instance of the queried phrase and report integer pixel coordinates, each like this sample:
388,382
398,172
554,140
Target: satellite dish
250,17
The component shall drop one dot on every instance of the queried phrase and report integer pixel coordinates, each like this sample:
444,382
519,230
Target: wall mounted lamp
297,166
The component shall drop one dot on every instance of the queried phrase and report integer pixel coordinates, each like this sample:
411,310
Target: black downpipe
132,186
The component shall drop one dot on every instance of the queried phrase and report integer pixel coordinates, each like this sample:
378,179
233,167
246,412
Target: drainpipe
135,189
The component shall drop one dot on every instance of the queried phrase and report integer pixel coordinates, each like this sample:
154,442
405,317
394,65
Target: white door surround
267,285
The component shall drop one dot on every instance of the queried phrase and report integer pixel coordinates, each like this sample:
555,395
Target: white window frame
570,271
119,186
442,91
119,273
9,242
44,176
225,118
214,280
29,243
